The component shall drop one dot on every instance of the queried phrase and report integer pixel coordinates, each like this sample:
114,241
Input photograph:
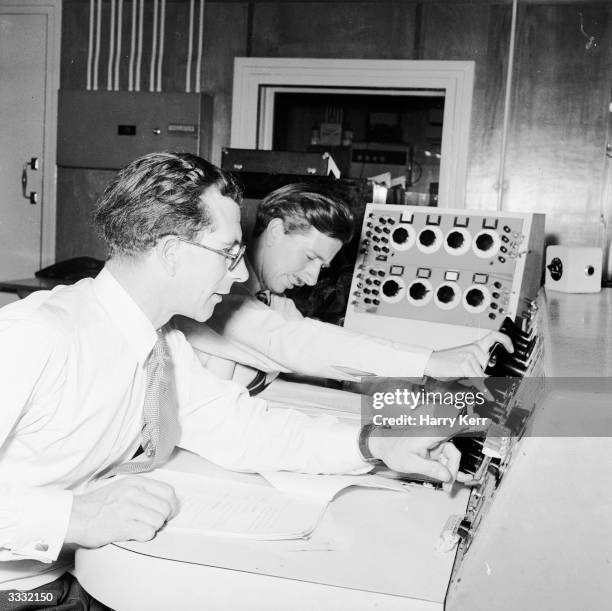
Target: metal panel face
108,129
436,266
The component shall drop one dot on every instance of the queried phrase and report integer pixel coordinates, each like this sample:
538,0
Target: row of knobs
508,247
377,235
368,286
502,293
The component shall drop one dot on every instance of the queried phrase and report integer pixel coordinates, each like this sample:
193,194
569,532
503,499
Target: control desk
542,543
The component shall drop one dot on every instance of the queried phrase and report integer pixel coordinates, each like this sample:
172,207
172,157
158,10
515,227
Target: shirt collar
127,317
252,283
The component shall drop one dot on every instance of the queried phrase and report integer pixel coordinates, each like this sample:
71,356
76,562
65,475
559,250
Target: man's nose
310,275
240,273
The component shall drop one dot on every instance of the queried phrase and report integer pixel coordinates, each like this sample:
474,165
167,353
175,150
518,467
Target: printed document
216,506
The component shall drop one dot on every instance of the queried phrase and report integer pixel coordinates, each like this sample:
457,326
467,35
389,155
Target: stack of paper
216,506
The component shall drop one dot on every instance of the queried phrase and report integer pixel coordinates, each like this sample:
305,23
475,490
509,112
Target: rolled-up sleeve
221,422
247,331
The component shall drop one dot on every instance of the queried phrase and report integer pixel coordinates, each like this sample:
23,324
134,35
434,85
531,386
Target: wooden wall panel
175,48
479,33
225,37
557,136
357,30
75,36
77,192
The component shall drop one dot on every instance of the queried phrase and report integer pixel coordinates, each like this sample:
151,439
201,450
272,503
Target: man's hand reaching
433,456
468,361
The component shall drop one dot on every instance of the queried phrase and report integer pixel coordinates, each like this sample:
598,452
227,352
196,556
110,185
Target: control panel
441,266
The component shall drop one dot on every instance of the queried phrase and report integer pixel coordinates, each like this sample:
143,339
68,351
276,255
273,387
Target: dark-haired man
93,371
299,228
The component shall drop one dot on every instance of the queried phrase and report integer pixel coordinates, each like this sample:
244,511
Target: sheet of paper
313,400
326,487
213,506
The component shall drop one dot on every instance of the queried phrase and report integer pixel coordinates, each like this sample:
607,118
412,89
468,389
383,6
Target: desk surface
578,334
365,557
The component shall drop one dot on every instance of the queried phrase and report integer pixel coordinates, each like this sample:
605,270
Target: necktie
260,381
263,296
161,429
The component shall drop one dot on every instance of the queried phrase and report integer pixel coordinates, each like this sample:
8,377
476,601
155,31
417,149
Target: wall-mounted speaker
573,269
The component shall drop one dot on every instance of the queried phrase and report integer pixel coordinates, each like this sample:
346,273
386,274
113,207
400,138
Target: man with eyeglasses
233,255
299,229
94,371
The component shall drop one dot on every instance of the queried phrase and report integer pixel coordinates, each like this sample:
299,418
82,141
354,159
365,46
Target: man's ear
167,251
274,231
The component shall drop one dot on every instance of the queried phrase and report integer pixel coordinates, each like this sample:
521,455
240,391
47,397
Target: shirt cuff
37,522
343,440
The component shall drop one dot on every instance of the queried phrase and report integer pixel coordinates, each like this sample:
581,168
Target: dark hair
158,195
301,206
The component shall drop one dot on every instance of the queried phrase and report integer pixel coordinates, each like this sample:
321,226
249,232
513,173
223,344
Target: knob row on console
476,298
485,244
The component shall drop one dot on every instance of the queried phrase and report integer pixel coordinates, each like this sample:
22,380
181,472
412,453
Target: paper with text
214,506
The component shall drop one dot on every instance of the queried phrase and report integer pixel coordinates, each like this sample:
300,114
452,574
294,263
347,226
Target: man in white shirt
299,229
75,377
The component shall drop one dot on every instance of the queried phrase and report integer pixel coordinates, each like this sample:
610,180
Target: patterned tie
161,429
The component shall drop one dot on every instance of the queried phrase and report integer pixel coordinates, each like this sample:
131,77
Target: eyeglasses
233,258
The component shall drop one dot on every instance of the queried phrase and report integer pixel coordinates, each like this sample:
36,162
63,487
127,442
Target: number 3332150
29,597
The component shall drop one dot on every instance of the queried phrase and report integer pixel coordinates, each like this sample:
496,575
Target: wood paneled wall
557,138
481,34
558,126
351,30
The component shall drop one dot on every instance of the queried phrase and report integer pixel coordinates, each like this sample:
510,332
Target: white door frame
254,77
53,11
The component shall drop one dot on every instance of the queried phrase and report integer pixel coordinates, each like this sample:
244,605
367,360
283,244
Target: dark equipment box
279,162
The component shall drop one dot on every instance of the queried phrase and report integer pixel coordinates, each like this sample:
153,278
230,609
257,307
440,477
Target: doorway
259,81
29,80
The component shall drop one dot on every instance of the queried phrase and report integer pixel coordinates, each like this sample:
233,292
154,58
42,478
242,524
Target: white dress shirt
72,367
254,336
